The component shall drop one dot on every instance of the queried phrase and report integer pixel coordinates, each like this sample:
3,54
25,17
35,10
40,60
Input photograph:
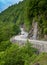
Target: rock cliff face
23,37
34,31
45,36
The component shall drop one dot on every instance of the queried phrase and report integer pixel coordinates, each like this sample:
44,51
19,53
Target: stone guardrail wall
40,45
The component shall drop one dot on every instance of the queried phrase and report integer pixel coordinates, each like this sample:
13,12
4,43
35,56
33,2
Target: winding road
21,39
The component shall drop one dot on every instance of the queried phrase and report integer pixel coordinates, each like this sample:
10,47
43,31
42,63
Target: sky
6,3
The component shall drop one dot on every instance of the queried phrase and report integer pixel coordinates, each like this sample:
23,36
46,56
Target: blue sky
5,3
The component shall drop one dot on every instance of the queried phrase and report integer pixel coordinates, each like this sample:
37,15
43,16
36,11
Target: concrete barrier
40,45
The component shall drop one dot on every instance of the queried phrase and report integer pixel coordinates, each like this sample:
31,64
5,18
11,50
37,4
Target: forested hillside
36,11
24,13
8,20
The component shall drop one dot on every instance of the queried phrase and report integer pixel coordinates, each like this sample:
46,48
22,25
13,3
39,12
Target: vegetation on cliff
23,13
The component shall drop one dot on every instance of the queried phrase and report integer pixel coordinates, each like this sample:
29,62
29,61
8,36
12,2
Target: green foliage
45,31
16,55
22,13
8,19
4,45
7,30
25,12
36,10
16,29
41,59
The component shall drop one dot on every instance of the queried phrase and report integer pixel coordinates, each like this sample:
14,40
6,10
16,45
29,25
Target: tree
16,29
16,55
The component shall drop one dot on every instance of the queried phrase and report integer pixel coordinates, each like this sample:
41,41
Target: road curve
21,39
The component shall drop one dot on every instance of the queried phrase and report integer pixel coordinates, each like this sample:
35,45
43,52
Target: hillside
28,12
32,16
36,11
12,13
8,19
41,59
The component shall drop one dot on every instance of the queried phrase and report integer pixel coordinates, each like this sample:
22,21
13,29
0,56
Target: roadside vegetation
23,13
